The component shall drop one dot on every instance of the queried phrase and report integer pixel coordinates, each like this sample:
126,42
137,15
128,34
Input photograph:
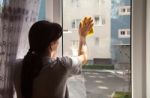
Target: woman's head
43,34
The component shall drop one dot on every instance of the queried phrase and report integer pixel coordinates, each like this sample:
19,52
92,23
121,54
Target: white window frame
126,8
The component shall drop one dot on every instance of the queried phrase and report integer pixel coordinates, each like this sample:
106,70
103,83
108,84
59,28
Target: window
75,3
75,23
99,20
110,41
124,33
74,47
97,41
124,10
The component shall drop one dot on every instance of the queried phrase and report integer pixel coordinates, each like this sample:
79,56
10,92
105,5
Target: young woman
41,74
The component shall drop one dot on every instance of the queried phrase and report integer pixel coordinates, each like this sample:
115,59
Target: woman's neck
52,54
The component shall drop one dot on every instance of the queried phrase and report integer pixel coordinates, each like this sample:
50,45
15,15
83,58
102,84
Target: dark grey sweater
51,82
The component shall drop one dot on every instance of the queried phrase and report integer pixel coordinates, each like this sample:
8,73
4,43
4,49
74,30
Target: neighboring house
120,31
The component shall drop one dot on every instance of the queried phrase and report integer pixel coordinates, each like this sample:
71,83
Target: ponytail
32,65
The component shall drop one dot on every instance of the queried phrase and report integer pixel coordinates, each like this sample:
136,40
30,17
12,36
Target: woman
41,74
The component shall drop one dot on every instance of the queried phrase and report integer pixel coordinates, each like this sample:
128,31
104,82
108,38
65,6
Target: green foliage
121,95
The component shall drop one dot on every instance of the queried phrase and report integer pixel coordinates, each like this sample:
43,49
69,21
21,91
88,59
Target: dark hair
41,34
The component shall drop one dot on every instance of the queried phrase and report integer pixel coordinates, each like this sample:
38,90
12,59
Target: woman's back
51,82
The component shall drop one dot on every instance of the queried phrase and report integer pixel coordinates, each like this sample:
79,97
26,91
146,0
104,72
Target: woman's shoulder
57,62
70,62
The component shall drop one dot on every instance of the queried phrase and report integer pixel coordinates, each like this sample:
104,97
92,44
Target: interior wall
139,49
53,14
148,48
49,10
57,11
53,11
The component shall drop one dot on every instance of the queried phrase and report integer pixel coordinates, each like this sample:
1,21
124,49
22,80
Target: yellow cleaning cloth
91,32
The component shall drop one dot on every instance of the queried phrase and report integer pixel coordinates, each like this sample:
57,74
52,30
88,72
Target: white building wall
102,33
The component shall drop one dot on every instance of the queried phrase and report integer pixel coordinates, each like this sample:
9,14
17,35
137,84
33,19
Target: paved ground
101,84
96,84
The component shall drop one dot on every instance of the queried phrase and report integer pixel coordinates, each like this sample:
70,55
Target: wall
57,11
139,49
53,14
49,10
148,49
53,11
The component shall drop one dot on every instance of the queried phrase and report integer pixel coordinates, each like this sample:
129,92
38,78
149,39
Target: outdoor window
108,71
75,3
75,23
96,40
124,33
99,20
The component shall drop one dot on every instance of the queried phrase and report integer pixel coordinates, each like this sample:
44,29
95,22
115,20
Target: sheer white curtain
16,16
33,11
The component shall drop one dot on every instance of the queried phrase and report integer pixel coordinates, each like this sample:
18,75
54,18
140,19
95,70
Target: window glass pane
108,69
42,10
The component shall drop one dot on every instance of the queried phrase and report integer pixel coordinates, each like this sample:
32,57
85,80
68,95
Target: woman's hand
85,27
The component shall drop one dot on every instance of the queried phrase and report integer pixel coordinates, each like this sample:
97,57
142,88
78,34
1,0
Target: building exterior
99,43
120,31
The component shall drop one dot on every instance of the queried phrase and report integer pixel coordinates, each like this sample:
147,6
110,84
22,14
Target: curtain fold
16,17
